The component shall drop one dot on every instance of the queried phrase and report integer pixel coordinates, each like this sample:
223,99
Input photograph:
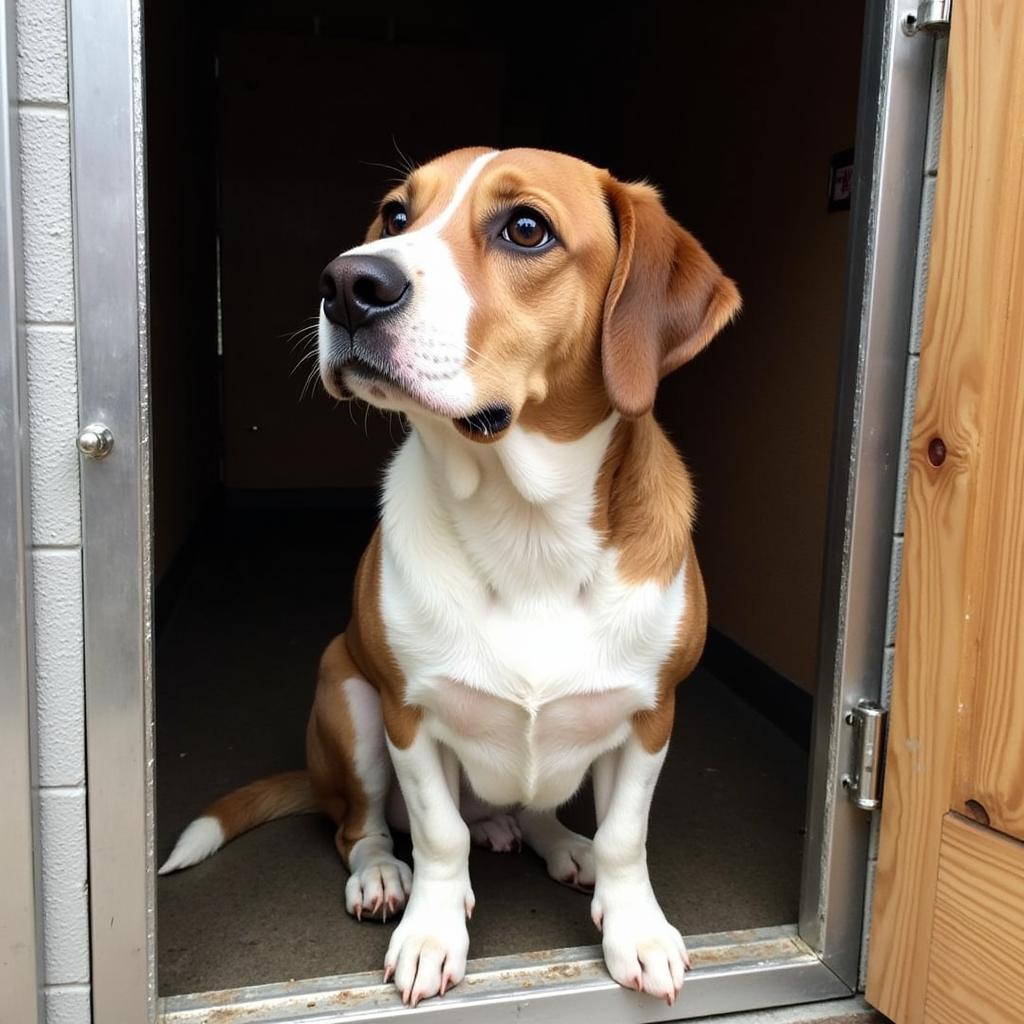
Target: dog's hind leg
490,827
351,773
569,856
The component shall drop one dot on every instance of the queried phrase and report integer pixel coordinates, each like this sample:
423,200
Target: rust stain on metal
227,1015
716,956
561,972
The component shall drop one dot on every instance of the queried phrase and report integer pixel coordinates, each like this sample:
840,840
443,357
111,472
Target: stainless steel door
109,227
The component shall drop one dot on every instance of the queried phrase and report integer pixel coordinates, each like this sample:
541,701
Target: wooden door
947,935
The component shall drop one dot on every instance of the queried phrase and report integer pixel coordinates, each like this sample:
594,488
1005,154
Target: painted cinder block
68,1004
65,886
46,214
53,428
42,51
60,701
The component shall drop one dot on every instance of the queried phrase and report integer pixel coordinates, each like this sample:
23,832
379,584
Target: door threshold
732,972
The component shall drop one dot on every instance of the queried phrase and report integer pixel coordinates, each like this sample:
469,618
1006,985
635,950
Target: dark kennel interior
267,128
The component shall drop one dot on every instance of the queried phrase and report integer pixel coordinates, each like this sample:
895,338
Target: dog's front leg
641,949
427,954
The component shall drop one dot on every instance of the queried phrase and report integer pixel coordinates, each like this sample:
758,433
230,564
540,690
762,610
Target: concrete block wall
928,179
45,164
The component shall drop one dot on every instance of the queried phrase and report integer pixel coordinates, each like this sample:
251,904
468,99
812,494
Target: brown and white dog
531,597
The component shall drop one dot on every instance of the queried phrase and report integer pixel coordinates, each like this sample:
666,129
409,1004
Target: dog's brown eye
395,219
526,228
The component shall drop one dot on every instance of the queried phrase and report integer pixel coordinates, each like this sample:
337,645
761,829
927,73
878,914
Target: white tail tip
201,838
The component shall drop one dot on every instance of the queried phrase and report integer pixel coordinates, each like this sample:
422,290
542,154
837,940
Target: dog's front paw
378,890
427,953
641,949
378,882
571,861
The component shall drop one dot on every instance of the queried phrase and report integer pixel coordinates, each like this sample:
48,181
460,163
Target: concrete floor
235,669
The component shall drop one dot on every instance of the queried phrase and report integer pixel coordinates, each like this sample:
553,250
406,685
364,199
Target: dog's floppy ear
667,298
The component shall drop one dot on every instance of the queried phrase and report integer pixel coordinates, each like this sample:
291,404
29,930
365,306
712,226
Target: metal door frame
20,907
814,960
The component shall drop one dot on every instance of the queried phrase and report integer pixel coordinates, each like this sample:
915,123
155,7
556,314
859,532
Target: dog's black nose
355,289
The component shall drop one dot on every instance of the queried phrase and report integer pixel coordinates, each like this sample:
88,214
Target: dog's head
517,285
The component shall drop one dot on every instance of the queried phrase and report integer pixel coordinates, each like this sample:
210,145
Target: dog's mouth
367,371
485,424
373,378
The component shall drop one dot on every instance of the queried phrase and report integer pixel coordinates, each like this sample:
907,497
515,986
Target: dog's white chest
528,700
515,633
531,709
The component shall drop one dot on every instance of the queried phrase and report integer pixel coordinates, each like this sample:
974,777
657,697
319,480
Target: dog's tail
264,800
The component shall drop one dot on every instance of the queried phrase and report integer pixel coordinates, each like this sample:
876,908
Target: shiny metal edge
145,486
732,972
888,173
106,146
21,971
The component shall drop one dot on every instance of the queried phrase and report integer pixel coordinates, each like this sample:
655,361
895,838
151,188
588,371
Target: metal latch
96,441
864,782
932,16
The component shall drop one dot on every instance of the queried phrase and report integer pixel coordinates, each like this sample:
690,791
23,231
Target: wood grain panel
977,962
990,735
975,280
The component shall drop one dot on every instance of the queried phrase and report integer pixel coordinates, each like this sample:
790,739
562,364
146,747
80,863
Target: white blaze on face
432,349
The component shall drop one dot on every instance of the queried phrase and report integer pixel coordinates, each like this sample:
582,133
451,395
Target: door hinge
931,16
864,781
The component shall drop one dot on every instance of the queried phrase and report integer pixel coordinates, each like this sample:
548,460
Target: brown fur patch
330,748
666,301
264,800
653,728
537,316
367,642
644,506
644,502
428,190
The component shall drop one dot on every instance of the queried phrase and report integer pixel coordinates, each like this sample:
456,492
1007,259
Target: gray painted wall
44,123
